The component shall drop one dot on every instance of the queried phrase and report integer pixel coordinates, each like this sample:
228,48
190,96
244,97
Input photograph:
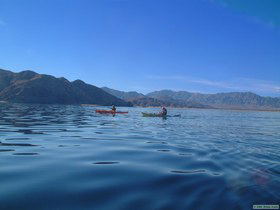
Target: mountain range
31,87
139,99
232,100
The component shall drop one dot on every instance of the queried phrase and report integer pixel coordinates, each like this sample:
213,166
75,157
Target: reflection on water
69,157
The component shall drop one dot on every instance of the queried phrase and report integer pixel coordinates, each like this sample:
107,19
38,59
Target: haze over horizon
205,46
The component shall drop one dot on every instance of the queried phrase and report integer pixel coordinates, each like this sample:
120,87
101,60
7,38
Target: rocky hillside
124,95
147,101
30,87
138,99
234,100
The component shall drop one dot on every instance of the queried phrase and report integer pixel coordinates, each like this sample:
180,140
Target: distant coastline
31,87
184,99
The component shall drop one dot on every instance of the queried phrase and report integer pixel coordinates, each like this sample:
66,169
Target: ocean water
69,157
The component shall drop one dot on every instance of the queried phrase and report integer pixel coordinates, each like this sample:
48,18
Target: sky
205,46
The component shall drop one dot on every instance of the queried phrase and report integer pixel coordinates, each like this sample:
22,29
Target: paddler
114,108
163,111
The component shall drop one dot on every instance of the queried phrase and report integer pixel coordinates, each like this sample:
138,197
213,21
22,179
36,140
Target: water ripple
68,157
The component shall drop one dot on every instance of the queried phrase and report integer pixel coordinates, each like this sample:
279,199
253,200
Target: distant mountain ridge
139,99
148,101
232,100
31,87
122,94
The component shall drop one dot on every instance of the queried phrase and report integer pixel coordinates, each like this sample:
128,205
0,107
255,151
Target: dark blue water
69,157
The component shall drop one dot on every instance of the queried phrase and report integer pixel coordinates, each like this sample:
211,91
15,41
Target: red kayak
109,112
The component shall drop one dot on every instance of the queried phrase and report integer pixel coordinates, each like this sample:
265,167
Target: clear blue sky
144,45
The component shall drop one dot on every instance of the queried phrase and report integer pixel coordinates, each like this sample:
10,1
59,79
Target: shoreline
232,109
183,108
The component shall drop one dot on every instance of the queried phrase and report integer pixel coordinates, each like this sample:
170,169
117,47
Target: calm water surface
69,157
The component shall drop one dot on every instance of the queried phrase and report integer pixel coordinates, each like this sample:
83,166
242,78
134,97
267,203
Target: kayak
109,112
158,115
151,115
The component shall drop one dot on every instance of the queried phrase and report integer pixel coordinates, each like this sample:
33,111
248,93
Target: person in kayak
114,108
163,111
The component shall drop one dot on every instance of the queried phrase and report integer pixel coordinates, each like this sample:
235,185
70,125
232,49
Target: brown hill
233,100
30,87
